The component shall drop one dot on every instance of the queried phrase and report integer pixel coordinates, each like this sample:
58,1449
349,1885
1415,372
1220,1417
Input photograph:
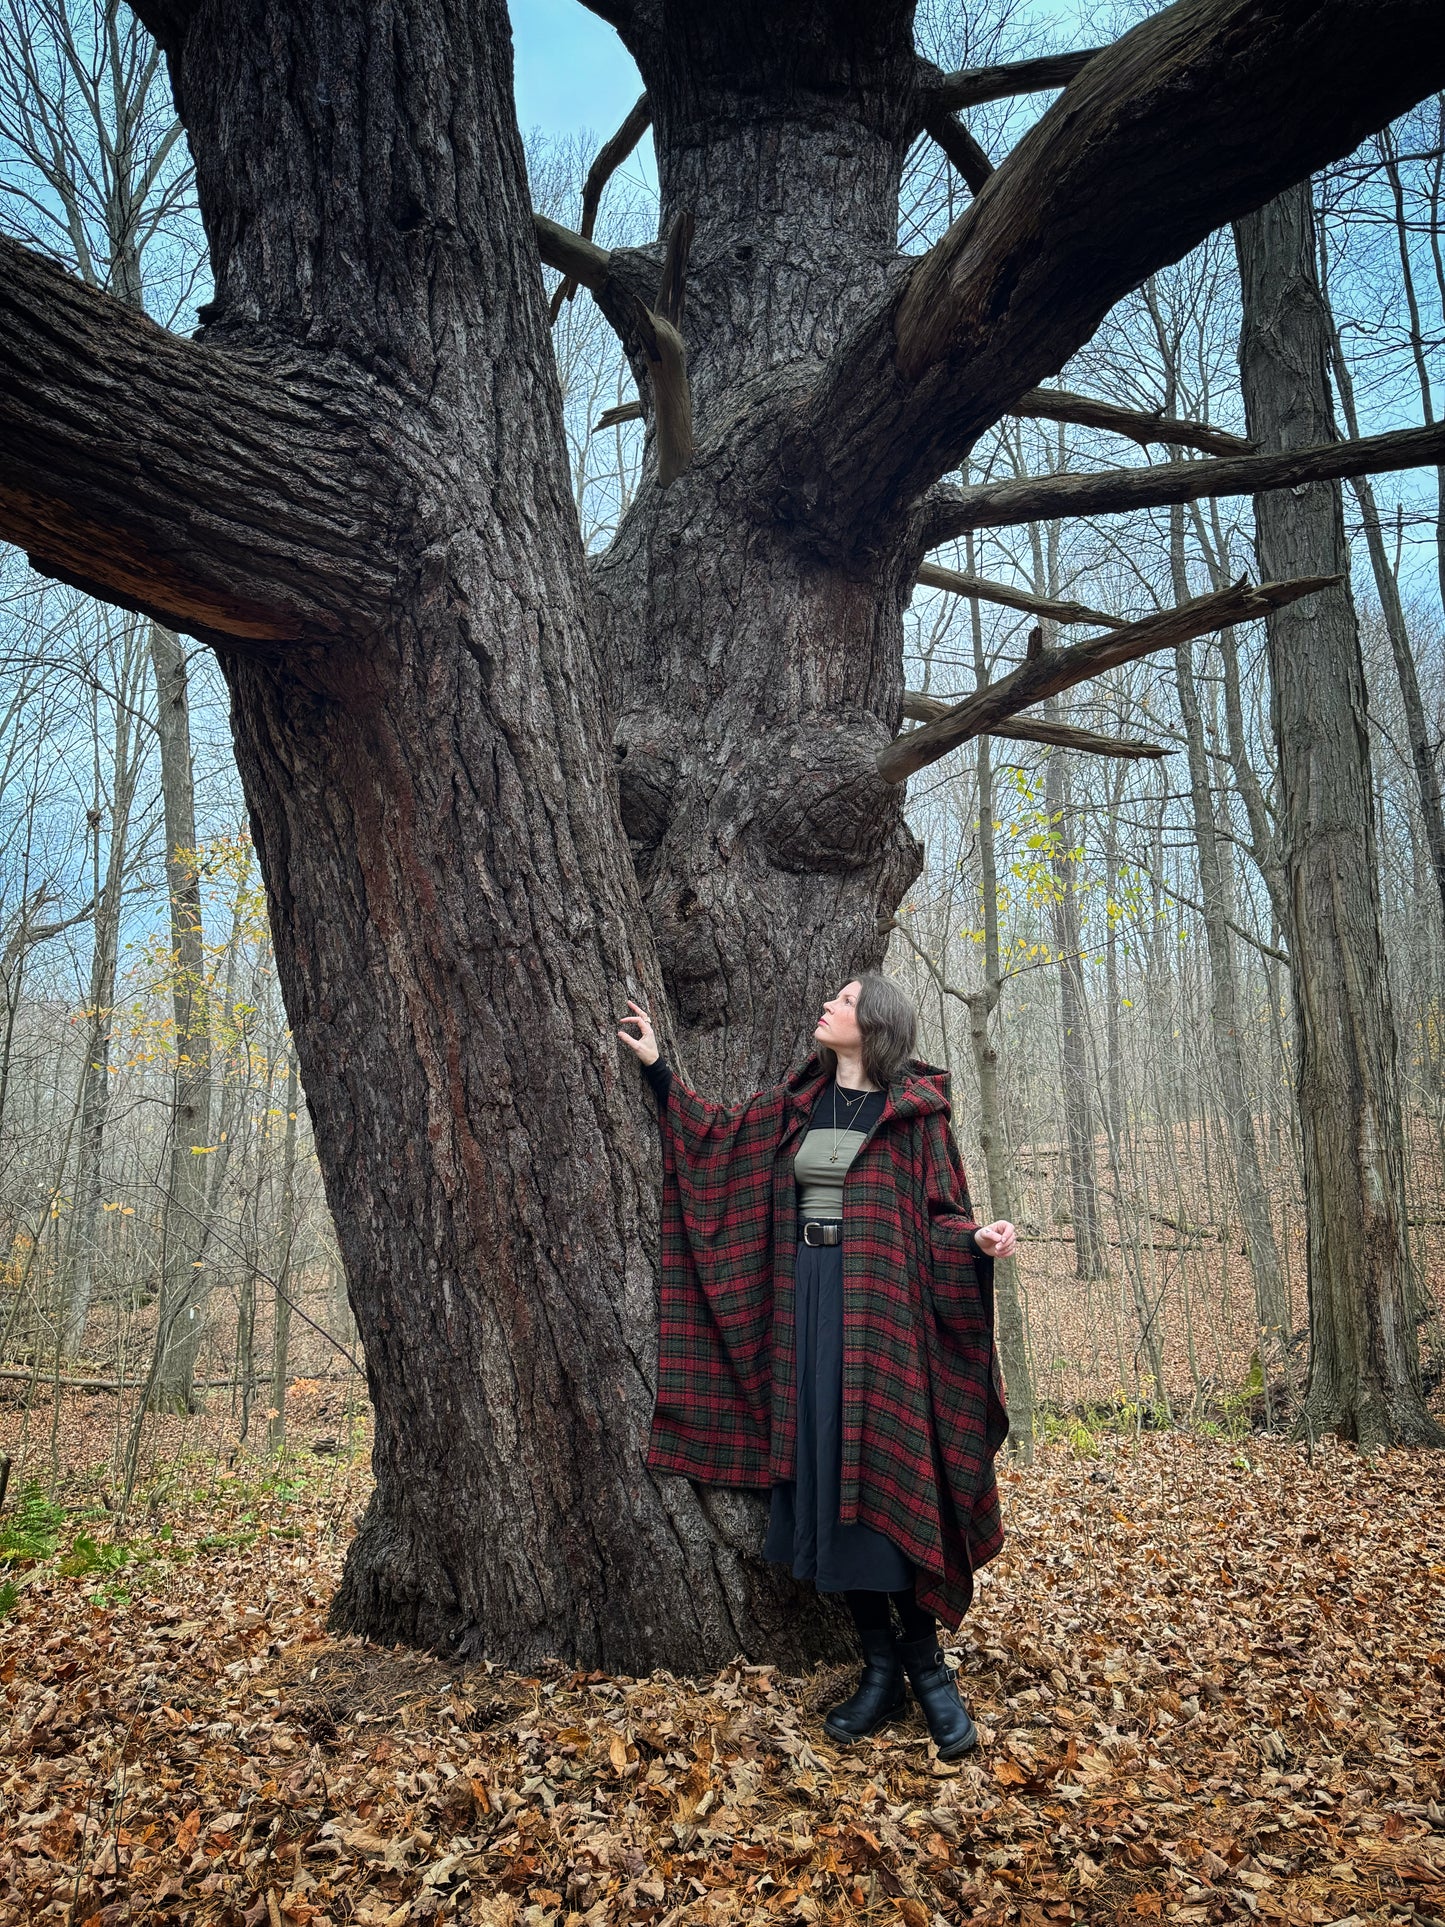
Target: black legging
870,1613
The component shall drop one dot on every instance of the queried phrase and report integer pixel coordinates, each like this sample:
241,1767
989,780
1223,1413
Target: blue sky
572,70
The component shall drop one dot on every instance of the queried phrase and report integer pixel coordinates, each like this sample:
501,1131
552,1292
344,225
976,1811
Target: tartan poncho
923,1414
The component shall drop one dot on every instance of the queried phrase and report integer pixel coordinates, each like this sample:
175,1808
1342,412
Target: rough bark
1364,1377
236,495
755,684
432,799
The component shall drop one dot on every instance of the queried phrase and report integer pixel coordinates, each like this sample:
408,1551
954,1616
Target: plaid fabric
923,1409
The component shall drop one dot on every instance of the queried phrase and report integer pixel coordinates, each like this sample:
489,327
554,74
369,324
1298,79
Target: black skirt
804,1530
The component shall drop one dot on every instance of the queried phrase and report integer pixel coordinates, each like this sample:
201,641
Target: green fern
31,1530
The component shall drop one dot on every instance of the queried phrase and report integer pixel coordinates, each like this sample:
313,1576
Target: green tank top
819,1175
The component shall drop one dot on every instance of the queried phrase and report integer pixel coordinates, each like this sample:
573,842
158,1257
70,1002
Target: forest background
1111,1138
1208,1666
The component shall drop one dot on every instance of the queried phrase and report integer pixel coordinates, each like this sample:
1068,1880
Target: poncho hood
922,1088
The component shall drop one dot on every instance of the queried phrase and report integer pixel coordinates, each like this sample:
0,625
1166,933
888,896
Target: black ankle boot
881,1694
948,1718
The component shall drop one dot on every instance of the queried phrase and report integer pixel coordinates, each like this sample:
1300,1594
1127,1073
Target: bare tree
83,113
121,659
1364,1361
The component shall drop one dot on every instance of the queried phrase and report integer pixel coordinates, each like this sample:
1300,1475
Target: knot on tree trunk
647,755
824,806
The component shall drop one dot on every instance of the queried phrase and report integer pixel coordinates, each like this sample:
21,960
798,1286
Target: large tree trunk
455,919
755,683
1364,1364
184,1280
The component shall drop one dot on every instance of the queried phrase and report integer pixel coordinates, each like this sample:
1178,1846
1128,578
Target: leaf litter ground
1208,1679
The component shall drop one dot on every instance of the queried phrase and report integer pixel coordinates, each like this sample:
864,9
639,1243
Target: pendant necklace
863,1097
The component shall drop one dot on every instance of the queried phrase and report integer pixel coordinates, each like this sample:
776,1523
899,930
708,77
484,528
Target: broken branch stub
656,338
918,708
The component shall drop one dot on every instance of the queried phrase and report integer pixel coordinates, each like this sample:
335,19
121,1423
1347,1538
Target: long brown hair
888,1024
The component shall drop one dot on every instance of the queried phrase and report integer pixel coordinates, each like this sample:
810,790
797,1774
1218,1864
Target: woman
827,1329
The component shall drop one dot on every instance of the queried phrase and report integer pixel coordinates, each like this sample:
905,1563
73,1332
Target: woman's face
838,1026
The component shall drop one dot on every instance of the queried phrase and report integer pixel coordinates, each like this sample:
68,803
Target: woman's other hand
645,1044
996,1240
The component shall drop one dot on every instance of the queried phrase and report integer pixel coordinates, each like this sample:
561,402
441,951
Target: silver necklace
863,1097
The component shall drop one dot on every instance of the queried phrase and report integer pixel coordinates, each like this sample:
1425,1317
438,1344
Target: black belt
829,1230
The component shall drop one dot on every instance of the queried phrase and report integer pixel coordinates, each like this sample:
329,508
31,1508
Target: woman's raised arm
704,1117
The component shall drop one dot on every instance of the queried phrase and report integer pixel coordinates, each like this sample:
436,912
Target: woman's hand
645,1044
996,1240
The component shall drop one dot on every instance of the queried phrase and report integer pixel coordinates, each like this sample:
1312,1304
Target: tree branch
918,708
625,411
1002,504
941,93
609,158
949,133
1060,405
1202,112
1267,949
1045,672
932,576
152,471
644,333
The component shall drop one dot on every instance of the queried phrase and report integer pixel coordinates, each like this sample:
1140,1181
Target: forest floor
1208,1675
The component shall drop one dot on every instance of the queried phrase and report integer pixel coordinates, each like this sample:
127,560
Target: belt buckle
813,1225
